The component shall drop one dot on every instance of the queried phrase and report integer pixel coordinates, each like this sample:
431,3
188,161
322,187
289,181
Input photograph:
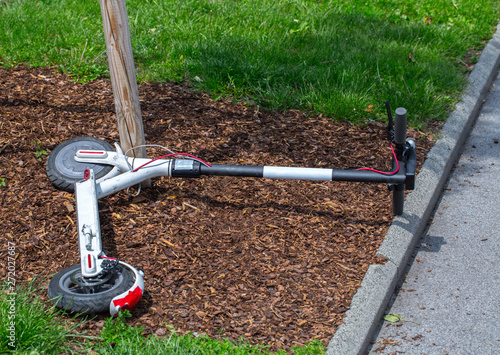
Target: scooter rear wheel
67,292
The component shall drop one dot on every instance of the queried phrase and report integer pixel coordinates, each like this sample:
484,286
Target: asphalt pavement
442,275
449,302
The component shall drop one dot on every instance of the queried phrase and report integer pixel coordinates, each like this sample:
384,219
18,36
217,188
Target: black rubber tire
75,299
64,171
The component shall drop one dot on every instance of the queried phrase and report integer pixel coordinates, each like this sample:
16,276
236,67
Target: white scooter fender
128,299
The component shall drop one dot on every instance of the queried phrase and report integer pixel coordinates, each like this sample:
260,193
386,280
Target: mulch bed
272,261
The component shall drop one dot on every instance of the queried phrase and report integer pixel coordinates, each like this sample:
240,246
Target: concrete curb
369,303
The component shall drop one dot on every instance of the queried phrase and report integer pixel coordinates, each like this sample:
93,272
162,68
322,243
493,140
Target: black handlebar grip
398,199
398,195
400,126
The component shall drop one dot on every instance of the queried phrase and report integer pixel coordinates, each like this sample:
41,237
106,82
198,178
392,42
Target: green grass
117,337
30,325
331,57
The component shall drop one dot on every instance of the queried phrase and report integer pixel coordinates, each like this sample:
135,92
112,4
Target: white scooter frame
87,193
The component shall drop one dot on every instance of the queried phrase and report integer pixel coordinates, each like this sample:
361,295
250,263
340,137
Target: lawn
39,329
336,58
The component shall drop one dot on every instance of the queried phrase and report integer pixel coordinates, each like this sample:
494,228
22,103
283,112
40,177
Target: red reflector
130,300
90,261
91,152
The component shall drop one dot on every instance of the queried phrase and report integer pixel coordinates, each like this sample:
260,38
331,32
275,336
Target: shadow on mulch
275,261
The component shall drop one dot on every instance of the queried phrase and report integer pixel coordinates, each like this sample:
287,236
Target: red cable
169,155
386,172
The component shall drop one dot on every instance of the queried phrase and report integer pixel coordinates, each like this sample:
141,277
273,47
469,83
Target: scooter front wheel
64,171
68,290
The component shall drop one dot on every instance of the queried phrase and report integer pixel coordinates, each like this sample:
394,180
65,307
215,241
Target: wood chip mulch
272,261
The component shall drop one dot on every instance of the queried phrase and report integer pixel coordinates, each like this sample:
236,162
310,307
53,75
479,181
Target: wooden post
122,72
123,79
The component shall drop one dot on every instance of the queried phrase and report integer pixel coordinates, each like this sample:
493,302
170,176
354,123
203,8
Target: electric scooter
93,170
